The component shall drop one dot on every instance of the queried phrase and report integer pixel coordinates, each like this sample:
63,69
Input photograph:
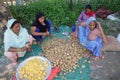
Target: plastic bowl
48,69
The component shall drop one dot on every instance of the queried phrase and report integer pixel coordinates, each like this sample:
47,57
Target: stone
5,15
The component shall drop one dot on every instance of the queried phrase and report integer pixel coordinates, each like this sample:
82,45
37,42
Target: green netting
62,32
81,73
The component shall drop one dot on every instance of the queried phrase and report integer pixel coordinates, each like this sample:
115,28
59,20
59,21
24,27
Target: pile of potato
64,53
34,69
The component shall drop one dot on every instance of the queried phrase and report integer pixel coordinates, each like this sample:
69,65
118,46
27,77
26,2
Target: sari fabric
13,40
95,45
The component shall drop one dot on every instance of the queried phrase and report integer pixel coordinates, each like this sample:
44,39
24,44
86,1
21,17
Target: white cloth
13,40
118,38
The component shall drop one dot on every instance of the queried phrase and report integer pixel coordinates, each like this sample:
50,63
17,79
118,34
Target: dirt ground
107,69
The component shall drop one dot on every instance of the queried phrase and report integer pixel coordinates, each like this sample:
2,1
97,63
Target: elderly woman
92,37
17,41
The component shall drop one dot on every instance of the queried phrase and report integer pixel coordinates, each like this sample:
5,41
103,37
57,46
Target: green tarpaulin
81,73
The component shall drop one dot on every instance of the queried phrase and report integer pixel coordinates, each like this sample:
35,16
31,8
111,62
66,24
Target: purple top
83,17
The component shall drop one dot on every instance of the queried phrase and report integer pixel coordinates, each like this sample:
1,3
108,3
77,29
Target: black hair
39,15
88,6
14,23
36,23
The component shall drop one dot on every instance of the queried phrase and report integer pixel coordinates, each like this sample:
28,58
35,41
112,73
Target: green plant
58,10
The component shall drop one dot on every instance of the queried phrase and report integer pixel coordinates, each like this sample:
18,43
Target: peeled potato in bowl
34,68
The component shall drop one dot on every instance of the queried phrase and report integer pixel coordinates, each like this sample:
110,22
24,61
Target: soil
106,69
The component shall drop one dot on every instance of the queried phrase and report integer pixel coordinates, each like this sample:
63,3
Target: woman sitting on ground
92,37
17,41
83,18
40,27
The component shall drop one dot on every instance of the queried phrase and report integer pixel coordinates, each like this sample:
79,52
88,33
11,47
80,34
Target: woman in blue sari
94,45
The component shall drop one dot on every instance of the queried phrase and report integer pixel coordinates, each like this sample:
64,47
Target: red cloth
91,13
14,77
53,73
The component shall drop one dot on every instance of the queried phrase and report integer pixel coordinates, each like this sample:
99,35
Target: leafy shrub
57,10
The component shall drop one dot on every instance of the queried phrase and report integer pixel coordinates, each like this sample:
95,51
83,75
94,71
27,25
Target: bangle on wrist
19,50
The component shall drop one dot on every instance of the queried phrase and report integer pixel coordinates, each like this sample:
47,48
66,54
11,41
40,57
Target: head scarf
90,20
88,24
10,22
13,40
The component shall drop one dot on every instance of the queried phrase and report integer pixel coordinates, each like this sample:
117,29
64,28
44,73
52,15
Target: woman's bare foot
94,58
102,57
85,55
